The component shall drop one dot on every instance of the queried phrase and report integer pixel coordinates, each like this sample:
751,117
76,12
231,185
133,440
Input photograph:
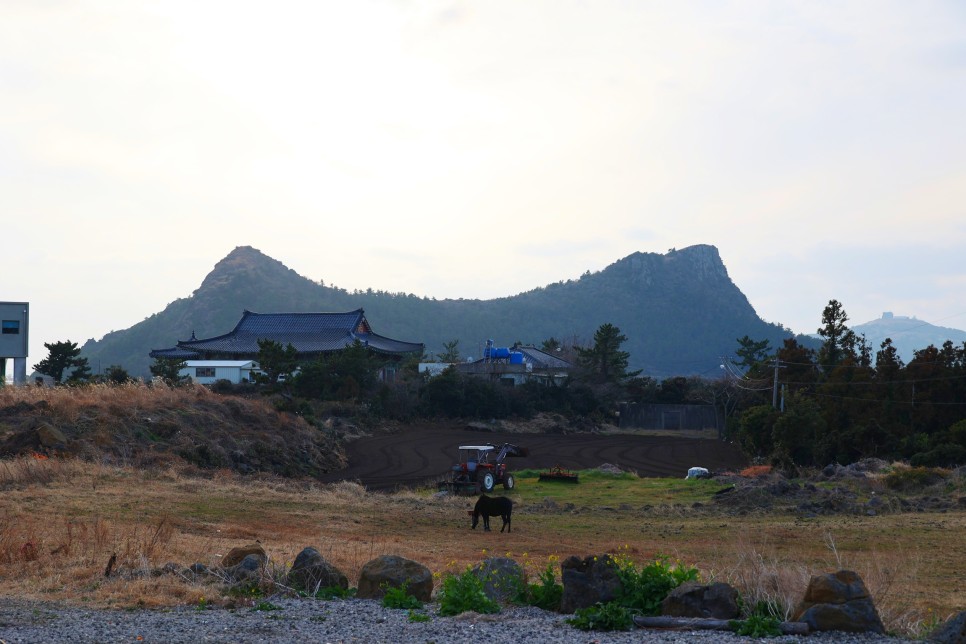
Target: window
11,327
204,372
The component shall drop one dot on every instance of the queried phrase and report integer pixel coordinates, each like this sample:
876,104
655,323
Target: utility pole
774,389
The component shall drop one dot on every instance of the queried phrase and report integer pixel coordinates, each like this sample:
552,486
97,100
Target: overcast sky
481,149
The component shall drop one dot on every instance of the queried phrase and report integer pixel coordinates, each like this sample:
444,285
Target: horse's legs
486,522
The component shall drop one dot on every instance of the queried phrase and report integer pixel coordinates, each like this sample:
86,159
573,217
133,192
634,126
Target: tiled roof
174,353
541,359
309,333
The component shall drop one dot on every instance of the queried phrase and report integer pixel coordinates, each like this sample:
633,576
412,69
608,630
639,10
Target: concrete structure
14,327
206,372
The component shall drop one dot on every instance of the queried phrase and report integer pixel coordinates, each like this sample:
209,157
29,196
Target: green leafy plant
332,592
398,597
757,626
643,590
545,594
464,592
603,617
266,605
414,616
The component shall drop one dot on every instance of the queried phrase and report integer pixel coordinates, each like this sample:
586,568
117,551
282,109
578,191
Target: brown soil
417,454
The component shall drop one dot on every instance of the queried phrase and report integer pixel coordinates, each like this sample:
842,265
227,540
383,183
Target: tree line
790,405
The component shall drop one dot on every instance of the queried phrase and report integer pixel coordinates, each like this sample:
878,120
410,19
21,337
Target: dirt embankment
142,426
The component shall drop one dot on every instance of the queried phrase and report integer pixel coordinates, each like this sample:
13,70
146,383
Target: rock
953,631
50,437
588,581
236,555
694,599
311,571
249,569
838,602
395,572
502,578
198,569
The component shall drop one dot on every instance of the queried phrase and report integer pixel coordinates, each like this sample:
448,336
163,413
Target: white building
206,372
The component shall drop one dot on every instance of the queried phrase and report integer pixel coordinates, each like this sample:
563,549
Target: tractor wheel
509,482
488,482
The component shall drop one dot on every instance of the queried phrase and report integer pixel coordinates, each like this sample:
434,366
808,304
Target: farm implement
559,475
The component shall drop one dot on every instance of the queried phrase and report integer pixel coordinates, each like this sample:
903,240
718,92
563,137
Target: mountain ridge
680,311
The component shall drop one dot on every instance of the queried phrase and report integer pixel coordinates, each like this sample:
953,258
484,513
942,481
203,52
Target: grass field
61,520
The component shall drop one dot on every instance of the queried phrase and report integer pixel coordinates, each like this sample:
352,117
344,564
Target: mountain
680,311
908,334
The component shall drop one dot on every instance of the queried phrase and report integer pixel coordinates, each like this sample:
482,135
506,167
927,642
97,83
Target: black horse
498,505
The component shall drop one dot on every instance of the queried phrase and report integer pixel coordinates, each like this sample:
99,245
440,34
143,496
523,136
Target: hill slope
680,311
908,334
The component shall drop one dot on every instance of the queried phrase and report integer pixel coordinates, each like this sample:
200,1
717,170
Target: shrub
944,454
644,590
397,597
545,594
914,478
464,592
757,626
603,617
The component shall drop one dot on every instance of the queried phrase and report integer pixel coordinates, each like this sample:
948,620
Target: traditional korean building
312,335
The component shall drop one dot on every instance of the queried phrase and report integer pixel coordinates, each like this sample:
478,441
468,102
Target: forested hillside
680,311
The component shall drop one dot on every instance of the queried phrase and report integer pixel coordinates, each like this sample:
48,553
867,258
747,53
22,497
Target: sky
481,149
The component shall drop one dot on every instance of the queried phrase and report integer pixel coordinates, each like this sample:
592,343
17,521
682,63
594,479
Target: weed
397,597
332,592
643,590
545,594
415,616
757,626
602,617
265,605
464,592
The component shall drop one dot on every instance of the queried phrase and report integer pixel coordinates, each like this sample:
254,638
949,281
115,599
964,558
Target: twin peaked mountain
680,312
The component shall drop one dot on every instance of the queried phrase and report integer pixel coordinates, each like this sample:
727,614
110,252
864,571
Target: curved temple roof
309,333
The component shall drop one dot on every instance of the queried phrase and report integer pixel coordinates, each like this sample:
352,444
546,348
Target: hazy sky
481,149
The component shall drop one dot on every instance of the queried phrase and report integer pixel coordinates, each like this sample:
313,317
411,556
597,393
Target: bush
397,597
644,590
603,617
757,626
945,454
464,592
545,594
903,480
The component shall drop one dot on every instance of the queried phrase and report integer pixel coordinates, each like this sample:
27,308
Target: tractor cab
481,467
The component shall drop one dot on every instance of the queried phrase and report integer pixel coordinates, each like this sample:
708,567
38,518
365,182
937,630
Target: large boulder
395,572
694,599
588,581
838,602
311,571
236,555
953,631
246,571
502,578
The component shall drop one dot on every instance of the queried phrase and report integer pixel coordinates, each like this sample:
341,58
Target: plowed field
415,455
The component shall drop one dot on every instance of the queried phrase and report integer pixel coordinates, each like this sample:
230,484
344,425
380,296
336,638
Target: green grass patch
597,488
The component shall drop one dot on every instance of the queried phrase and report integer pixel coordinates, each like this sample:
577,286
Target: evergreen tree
276,360
61,357
840,341
169,370
605,362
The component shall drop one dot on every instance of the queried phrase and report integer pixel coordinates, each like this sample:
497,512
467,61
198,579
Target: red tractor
482,467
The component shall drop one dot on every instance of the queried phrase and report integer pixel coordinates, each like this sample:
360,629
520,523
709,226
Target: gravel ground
355,620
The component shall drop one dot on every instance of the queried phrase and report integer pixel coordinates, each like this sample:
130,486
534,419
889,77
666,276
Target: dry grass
62,520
